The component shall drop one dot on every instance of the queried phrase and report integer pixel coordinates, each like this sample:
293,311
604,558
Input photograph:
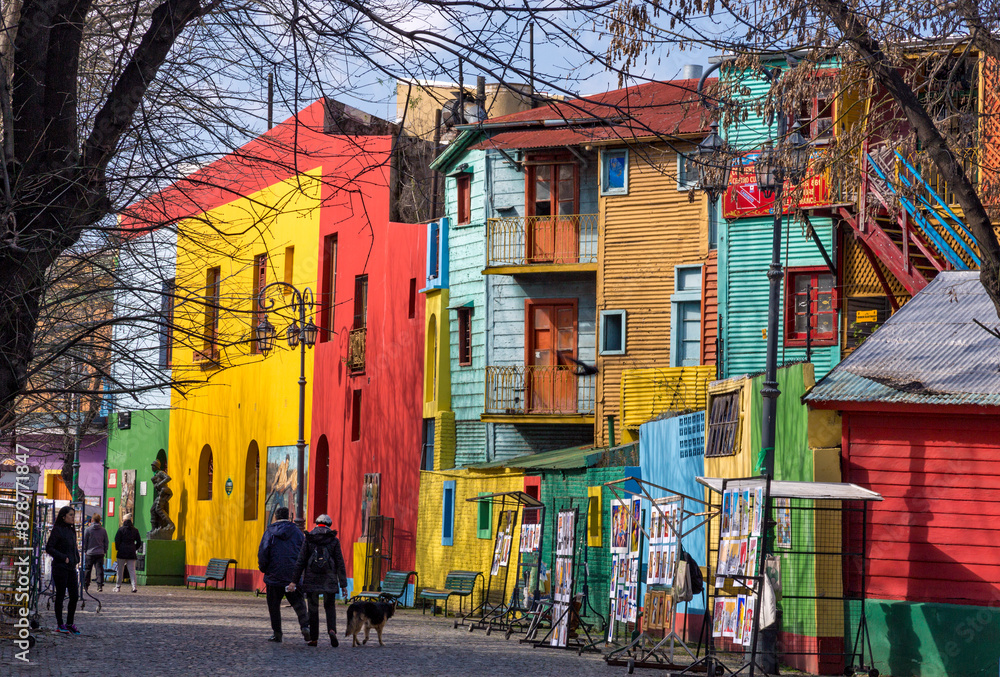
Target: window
167,293
864,315
464,336
685,314
723,424
206,470
816,118
257,304
411,308
431,373
427,445
210,331
322,469
612,332
463,186
360,301
614,172
448,513
687,172
289,267
433,251
810,307
713,224
355,415
251,482
484,522
532,487
594,517
553,189
329,285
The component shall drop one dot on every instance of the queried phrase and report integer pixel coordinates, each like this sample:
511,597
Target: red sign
743,198
112,479
111,507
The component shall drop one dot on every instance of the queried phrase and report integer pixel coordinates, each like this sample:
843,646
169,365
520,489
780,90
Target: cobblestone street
173,631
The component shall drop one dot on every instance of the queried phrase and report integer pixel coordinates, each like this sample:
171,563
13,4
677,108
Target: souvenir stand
526,599
746,588
656,645
565,614
22,533
493,612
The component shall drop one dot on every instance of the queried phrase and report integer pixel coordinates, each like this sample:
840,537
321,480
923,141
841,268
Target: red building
368,379
919,404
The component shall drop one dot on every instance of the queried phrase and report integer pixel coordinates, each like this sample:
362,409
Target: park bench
215,571
393,587
456,584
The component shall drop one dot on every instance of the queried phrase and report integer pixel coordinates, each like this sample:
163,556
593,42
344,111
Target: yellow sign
867,316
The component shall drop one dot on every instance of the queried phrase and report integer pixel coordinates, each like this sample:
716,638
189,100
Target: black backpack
697,580
320,561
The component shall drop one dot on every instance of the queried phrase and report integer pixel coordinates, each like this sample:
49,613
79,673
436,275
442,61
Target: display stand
491,614
525,597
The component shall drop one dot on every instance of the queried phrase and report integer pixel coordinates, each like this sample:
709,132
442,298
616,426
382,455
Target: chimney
691,71
481,91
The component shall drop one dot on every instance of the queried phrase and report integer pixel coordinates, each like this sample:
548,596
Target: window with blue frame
613,332
687,172
433,250
614,172
448,513
685,334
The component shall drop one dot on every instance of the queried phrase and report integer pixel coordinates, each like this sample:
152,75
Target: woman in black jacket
321,567
127,544
61,546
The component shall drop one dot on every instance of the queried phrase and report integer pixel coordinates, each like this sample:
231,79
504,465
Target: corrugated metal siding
511,440
644,235
710,308
647,393
470,443
744,257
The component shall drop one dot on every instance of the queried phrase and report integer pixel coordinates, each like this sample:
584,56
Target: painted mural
282,479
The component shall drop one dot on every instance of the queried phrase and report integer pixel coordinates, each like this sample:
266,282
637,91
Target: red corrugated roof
668,109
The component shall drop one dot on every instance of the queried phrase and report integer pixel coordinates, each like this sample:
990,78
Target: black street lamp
713,163
300,334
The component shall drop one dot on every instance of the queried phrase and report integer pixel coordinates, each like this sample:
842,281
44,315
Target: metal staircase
915,241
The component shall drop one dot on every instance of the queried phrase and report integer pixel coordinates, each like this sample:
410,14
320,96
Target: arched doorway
251,482
322,494
206,471
161,456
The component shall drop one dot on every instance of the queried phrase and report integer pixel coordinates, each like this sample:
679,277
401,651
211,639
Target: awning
525,499
819,491
560,459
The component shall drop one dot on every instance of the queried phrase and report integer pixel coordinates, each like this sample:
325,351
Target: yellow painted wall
644,235
437,372
253,398
468,552
647,393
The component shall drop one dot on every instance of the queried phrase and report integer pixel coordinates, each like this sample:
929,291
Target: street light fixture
713,163
300,334
797,151
768,170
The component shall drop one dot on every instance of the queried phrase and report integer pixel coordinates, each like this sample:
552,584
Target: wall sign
112,478
229,486
111,506
867,316
744,199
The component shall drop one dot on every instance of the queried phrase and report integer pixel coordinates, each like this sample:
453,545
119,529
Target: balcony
356,349
543,244
531,394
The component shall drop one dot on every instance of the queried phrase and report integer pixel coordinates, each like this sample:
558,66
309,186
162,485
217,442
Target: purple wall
45,452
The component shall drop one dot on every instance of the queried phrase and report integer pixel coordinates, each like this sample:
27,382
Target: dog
368,615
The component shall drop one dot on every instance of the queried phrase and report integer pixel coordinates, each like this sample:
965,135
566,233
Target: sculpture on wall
162,527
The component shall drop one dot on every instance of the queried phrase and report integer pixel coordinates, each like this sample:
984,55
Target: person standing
276,557
320,565
95,548
61,546
127,543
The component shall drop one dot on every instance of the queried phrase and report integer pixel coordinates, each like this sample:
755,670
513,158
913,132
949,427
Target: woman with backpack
127,544
321,568
61,546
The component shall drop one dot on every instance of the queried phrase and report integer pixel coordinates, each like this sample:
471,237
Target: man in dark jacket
276,558
127,543
95,547
321,567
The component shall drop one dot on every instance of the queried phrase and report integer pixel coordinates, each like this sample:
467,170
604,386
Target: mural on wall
282,480
369,500
127,505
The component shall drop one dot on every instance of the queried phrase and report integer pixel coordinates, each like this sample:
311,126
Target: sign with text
744,199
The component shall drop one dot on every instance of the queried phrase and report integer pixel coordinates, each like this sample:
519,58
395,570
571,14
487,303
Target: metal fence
541,240
526,390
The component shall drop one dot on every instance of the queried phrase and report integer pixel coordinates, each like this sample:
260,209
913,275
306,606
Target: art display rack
495,614
12,604
520,609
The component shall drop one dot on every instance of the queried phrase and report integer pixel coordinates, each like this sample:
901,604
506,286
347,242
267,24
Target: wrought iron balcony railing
541,240
356,349
531,390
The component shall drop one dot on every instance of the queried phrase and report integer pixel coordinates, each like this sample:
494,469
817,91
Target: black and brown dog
368,615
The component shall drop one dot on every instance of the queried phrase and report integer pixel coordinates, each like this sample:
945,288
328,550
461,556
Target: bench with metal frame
217,570
456,584
392,589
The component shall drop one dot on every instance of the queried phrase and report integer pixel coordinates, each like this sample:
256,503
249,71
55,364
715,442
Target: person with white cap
321,568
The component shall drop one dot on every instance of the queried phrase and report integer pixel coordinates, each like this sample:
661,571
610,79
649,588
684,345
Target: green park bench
456,584
216,570
392,589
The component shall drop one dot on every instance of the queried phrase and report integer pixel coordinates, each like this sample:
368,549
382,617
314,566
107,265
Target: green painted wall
931,640
135,449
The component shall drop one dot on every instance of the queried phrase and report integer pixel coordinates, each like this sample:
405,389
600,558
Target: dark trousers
329,604
274,595
65,581
94,561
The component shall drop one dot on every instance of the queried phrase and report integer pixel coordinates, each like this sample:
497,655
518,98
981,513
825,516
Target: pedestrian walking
127,544
320,565
276,557
95,548
61,546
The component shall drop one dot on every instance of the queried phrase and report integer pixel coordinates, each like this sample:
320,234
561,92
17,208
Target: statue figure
162,525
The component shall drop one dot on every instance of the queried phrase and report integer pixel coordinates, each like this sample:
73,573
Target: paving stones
173,631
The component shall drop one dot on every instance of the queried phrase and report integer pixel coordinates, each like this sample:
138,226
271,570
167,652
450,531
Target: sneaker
118,589
333,640
63,629
135,590
305,635
100,588
72,629
311,642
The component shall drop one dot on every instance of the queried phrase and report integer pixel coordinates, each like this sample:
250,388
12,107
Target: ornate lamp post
713,164
301,334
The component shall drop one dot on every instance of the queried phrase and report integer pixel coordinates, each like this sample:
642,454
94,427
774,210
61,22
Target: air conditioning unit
124,420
